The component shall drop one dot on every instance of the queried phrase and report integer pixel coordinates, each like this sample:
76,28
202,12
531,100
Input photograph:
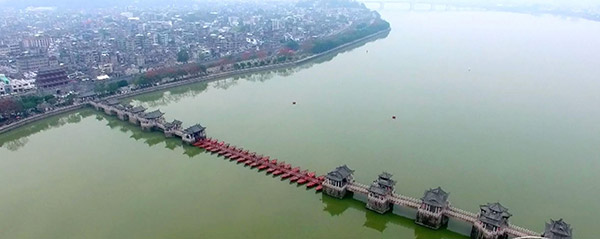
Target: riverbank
196,79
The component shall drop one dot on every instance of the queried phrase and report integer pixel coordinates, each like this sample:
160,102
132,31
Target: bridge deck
262,162
452,212
295,174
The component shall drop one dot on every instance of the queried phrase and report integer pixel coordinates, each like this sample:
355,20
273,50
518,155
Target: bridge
433,209
450,212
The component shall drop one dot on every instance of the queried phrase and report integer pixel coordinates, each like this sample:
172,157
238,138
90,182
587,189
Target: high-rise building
32,63
36,42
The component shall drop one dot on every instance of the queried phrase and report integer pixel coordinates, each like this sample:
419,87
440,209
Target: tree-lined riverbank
197,78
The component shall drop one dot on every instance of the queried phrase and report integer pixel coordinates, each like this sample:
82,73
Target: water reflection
17,139
150,138
174,95
380,223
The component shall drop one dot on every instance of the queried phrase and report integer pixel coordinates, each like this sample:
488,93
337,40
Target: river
490,106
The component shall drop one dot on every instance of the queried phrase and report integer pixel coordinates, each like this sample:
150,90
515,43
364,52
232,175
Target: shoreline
191,80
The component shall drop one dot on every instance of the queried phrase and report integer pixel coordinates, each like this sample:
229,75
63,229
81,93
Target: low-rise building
22,85
3,88
52,77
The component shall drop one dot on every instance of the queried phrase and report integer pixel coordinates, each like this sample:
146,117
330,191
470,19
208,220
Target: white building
106,68
3,88
22,85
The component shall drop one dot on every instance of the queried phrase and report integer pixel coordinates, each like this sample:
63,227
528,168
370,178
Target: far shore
191,80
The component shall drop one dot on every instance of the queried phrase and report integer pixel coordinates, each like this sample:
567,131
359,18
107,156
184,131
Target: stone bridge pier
336,181
380,192
434,204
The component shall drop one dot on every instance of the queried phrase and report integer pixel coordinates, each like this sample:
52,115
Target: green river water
490,106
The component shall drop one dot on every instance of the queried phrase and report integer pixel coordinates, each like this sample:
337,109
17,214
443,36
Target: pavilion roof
194,129
494,214
137,109
435,197
153,115
340,173
558,229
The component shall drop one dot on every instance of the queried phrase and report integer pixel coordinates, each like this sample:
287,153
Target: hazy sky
108,3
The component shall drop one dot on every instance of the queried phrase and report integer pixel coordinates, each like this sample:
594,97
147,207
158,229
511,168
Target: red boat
254,164
274,161
233,157
266,158
262,167
311,184
311,174
249,161
199,143
319,188
277,172
270,170
294,178
302,181
296,169
287,175
241,160
227,155
321,178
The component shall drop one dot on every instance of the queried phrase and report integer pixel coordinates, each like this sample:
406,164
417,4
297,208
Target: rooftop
435,197
153,115
4,79
340,173
137,109
194,129
494,214
378,189
385,179
558,229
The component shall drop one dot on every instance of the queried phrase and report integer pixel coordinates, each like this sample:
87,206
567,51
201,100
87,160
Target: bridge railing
520,231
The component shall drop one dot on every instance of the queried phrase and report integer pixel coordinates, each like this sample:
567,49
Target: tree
30,102
291,44
100,88
203,68
183,56
113,87
122,83
9,106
